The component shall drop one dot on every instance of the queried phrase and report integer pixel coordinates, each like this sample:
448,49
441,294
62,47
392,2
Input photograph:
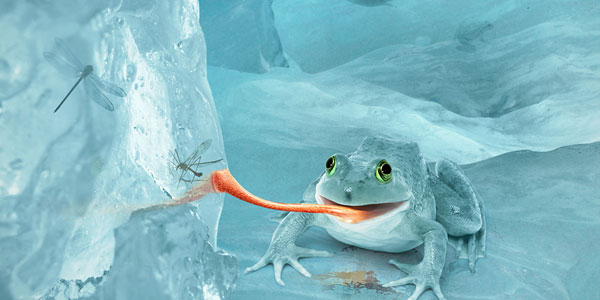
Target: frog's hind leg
470,246
459,209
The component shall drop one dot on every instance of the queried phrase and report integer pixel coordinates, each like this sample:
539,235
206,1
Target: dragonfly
67,63
191,163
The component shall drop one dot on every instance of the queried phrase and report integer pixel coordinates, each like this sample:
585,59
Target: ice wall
467,82
241,35
181,264
68,180
319,35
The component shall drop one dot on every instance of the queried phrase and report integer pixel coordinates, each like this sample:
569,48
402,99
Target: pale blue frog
405,204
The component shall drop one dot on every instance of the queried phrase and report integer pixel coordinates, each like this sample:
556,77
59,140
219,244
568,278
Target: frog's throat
365,212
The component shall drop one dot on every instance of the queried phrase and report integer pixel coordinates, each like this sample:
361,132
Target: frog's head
365,182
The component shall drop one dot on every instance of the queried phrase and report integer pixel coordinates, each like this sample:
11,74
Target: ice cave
423,149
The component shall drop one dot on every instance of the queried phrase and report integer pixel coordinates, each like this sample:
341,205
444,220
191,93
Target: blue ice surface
542,210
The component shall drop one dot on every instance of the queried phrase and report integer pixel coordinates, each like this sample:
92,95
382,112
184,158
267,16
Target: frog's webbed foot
289,254
426,274
283,249
420,277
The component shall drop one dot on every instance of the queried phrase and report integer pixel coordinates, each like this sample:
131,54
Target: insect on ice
191,164
69,64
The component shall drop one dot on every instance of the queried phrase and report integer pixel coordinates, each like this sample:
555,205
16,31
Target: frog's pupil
329,163
386,169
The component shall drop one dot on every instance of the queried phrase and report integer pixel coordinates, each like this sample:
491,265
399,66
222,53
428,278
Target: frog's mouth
365,212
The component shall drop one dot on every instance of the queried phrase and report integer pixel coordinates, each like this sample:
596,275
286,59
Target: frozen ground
542,210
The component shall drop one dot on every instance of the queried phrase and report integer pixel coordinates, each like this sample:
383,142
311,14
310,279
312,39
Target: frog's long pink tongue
221,181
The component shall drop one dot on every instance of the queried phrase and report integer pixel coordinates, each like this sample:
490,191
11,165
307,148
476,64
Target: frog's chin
367,212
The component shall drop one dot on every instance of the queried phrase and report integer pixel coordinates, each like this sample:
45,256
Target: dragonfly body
88,69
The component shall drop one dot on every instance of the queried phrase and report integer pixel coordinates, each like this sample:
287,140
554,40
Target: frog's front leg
426,274
283,249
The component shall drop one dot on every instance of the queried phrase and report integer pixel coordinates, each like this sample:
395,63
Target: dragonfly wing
107,86
60,64
204,146
97,96
64,51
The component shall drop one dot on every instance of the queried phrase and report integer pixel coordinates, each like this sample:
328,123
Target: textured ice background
69,181
241,35
527,77
498,86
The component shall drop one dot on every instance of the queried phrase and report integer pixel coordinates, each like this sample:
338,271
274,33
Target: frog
405,202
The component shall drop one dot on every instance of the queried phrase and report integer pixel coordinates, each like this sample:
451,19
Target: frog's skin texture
429,207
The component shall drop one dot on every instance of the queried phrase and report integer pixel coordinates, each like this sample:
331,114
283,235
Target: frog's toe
420,286
406,268
470,247
438,292
306,252
279,264
296,265
458,246
278,268
419,289
421,276
404,281
259,265
287,256
473,248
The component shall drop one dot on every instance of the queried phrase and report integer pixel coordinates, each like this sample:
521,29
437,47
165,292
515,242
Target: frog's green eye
330,165
383,172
